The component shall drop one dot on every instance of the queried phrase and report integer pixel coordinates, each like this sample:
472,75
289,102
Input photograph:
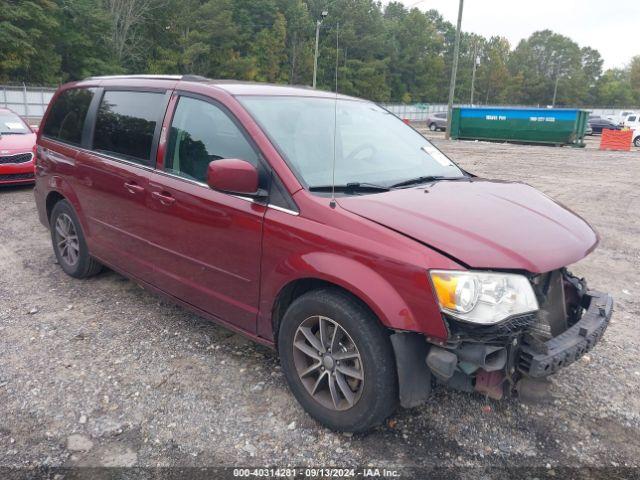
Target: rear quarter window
126,123
66,119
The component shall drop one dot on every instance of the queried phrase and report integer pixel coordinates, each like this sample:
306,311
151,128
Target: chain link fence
31,102
28,102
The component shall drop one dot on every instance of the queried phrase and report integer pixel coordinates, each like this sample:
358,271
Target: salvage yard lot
101,372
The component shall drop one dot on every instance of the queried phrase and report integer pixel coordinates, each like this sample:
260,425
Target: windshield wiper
425,179
354,187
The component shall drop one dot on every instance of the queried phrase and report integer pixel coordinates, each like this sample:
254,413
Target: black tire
378,394
636,141
84,265
433,127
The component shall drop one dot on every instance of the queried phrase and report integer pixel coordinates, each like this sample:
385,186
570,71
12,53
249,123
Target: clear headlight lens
483,297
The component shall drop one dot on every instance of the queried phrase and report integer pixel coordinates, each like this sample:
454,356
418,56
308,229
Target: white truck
632,121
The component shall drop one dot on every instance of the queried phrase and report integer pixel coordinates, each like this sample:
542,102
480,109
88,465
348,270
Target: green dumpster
554,126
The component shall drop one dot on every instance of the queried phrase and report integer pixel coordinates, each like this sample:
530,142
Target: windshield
10,123
372,145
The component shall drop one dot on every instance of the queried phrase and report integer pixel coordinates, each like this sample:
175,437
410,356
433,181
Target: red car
17,149
323,227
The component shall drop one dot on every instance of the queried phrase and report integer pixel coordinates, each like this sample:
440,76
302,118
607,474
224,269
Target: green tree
415,62
210,37
83,40
545,61
270,52
614,89
27,53
493,78
634,78
386,52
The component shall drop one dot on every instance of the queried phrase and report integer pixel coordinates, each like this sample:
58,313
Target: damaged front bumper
539,359
509,357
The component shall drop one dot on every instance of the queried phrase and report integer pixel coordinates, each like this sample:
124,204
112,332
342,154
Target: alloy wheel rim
67,240
328,363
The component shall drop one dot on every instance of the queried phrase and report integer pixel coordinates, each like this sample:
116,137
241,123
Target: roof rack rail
189,78
195,78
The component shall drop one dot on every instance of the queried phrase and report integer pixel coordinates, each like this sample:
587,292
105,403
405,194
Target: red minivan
322,226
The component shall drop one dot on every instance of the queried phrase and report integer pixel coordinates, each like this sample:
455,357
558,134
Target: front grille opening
17,176
17,158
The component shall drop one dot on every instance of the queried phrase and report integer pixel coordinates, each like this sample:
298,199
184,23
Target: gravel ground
102,373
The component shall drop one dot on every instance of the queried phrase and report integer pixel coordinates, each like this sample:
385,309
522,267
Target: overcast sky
610,26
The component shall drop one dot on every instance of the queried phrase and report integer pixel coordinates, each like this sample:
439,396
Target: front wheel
433,127
636,141
338,361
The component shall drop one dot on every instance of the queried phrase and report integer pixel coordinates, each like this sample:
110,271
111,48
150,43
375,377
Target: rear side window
126,123
631,119
66,118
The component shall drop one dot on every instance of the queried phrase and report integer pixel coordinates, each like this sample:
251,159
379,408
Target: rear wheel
636,141
338,361
69,243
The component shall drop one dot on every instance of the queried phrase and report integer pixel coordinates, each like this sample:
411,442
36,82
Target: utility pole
555,90
315,57
476,64
454,71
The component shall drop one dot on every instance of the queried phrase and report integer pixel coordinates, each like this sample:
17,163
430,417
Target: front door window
202,132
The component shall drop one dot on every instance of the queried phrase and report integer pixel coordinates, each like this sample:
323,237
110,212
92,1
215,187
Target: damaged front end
514,355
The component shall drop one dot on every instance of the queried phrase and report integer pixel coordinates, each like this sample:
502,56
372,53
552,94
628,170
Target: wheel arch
298,287
53,197
61,190
322,270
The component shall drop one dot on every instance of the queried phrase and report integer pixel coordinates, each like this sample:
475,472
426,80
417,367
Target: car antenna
332,203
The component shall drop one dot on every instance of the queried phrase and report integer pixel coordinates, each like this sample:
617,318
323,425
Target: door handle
164,198
133,187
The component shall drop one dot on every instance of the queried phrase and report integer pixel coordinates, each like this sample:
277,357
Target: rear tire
636,141
69,243
354,354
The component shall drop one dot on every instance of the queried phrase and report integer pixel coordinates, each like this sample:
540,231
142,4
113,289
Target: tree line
386,53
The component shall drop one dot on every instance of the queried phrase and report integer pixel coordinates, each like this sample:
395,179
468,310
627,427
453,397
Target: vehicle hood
17,143
483,223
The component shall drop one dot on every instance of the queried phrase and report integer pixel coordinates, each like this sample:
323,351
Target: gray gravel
101,372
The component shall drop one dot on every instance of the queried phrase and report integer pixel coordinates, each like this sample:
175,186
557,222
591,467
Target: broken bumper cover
573,343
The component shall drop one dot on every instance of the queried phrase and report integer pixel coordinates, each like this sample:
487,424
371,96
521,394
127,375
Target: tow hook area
491,384
471,367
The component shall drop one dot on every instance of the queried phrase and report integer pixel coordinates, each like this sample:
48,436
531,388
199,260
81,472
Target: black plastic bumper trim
571,344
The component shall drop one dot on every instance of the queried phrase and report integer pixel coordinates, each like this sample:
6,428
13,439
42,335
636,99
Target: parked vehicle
17,149
622,117
597,124
437,121
588,130
632,121
372,263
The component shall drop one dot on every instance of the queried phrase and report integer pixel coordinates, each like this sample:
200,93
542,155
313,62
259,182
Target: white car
632,121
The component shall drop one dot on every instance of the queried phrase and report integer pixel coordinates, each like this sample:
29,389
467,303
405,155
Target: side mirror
231,175
34,128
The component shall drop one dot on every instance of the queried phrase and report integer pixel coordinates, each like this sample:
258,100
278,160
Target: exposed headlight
483,297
